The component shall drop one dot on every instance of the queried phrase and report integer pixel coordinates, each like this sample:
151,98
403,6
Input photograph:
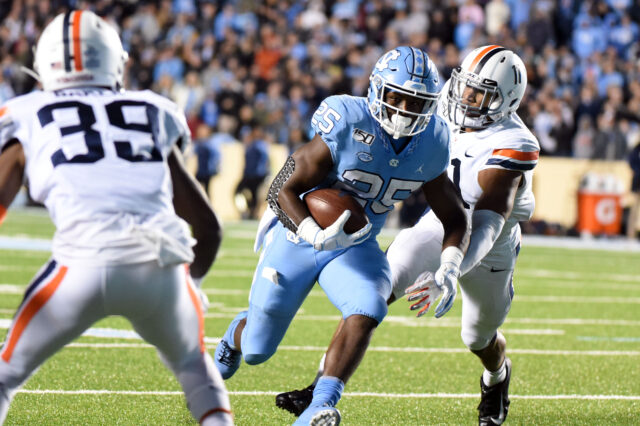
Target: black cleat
295,401
494,402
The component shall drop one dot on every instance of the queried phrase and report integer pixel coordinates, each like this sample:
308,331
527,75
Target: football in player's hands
326,205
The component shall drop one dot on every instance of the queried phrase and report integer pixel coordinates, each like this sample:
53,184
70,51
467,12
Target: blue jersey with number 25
365,163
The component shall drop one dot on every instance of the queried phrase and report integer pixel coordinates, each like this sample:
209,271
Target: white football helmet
498,74
78,48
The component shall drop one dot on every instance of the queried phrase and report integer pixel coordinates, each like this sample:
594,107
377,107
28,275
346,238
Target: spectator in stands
189,95
634,207
609,143
583,140
209,154
239,48
256,169
497,14
539,30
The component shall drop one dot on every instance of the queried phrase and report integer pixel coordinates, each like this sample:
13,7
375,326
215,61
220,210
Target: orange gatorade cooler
599,205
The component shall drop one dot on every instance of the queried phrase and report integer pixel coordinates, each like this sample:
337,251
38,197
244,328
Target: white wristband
452,255
308,229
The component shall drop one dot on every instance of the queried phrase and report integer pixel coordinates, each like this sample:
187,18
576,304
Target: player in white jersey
492,159
107,165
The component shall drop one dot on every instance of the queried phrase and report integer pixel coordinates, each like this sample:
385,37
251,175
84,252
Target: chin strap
30,73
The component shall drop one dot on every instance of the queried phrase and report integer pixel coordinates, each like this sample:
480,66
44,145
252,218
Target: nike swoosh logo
497,270
500,419
467,155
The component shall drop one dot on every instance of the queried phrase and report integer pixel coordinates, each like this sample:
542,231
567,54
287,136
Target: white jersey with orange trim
486,290
96,158
507,145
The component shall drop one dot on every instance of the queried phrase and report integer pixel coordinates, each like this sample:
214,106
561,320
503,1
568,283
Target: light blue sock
328,391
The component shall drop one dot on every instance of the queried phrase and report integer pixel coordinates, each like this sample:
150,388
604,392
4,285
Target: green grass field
573,335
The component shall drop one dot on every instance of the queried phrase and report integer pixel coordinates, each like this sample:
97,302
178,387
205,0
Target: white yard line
452,322
574,276
212,341
7,288
617,244
347,394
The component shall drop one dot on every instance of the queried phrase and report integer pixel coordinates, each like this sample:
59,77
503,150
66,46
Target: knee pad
262,334
475,339
254,359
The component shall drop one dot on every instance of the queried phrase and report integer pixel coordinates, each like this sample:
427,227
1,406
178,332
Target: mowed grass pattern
573,333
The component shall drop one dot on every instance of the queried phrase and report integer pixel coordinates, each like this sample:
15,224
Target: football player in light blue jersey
378,149
493,155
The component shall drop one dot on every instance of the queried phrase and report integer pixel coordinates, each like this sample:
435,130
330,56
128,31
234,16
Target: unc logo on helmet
408,71
494,78
78,48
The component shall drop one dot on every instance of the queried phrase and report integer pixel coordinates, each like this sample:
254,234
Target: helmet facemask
396,121
461,113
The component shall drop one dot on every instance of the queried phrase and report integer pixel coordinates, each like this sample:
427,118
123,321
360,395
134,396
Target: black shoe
494,401
295,401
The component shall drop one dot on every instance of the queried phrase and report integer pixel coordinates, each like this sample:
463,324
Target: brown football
326,205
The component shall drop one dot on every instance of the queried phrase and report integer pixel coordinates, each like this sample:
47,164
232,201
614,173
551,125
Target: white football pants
486,290
161,303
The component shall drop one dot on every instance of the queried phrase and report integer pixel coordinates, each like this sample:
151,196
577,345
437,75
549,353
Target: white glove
428,287
447,281
332,237
425,291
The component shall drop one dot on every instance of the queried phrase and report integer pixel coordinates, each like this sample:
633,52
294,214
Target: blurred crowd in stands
236,64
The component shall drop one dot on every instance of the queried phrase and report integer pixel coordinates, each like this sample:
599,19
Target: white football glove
447,280
425,291
332,237
428,287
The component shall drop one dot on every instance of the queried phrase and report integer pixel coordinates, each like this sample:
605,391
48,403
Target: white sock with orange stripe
218,418
205,391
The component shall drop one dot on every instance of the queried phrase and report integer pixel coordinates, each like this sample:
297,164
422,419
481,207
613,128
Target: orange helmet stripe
481,55
77,51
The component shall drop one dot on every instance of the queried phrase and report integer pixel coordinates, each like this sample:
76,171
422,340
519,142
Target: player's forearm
284,196
456,234
455,225
12,163
291,204
487,226
206,249
192,205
